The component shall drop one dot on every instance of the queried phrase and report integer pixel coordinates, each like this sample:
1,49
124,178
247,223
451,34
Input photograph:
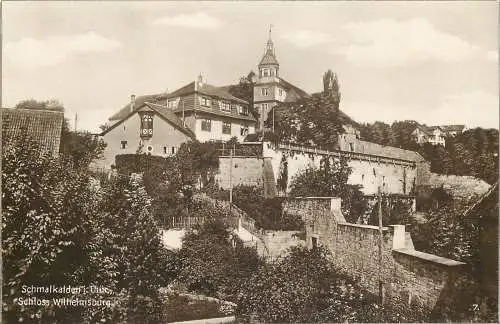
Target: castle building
270,89
159,124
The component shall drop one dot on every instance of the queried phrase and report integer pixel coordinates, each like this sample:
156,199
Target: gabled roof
452,128
293,93
207,89
165,113
139,102
42,126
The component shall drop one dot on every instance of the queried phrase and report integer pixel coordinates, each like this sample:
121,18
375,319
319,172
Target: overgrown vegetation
267,212
302,287
473,152
330,180
61,227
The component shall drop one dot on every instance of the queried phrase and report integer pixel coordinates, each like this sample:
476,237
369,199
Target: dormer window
225,106
146,125
205,101
243,110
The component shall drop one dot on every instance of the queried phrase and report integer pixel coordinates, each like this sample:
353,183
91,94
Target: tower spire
270,45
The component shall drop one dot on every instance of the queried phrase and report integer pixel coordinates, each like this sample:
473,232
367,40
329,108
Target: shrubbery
60,227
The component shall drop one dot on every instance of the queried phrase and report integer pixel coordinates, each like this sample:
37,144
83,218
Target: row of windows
206,125
265,92
268,72
166,149
224,105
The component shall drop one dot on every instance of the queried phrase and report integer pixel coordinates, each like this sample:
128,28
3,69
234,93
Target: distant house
436,135
159,124
41,126
453,130
433,134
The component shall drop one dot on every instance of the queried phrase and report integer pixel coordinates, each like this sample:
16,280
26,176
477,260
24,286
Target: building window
264,91
266,72
172,103
225,106
146,125
280,91
351,147
173,150
264,108
124,145
244,130
206,125
374,173
226,128
165,150
272,72
205,102
243,110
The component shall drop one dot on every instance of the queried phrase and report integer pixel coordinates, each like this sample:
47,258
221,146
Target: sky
433,62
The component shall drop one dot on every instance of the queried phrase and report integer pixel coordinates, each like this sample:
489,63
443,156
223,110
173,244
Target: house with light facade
436,135
159,123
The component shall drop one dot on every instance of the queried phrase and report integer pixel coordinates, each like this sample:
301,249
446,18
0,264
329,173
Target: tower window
264,108
124,144
280,92
226,128
264,91
205,102
266,72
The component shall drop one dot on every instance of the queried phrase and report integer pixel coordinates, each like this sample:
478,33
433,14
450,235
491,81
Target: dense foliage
315,120
330,180
473,152
267,212
303,287
213,261
171,182
60,227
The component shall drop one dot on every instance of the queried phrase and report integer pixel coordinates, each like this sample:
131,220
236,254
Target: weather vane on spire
270,30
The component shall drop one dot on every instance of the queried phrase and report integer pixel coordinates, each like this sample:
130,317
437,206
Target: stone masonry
420,279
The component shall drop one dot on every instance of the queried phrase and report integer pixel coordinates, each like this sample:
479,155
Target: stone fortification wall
393,175
407,275
245,171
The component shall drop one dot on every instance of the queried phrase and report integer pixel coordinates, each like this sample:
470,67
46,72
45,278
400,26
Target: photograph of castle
250,162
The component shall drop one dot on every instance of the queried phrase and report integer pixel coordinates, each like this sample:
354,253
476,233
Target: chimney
132,103
199,80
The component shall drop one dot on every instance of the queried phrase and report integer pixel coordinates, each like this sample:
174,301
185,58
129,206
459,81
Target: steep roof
269,59
453,128
293,93
139,102
390,152
206,89
165,113
42,126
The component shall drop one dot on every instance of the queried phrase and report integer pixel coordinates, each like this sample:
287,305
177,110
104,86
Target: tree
331,87
314,120
303,287
330,180
213,261
52,234
81,147
51,104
